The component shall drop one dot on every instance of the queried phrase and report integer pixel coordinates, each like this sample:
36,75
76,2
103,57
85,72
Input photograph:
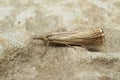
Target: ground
20,55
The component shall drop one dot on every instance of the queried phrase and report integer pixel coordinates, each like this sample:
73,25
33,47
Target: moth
92,37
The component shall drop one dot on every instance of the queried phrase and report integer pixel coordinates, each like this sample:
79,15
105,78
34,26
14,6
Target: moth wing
94,37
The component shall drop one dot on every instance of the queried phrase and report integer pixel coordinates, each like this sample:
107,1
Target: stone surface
20,56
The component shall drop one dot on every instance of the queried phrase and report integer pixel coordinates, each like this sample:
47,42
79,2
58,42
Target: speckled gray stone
20,56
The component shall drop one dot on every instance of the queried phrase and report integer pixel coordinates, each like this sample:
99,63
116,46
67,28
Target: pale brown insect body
87,38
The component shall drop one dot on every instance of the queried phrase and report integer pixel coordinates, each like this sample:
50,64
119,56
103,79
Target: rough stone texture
20,56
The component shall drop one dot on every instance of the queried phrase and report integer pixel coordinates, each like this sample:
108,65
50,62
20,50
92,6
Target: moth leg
47,46
84,47
70,46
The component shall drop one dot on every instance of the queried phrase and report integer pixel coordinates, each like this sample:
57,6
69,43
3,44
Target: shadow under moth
94,37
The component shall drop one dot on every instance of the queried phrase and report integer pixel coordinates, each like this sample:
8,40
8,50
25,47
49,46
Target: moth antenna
39,38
